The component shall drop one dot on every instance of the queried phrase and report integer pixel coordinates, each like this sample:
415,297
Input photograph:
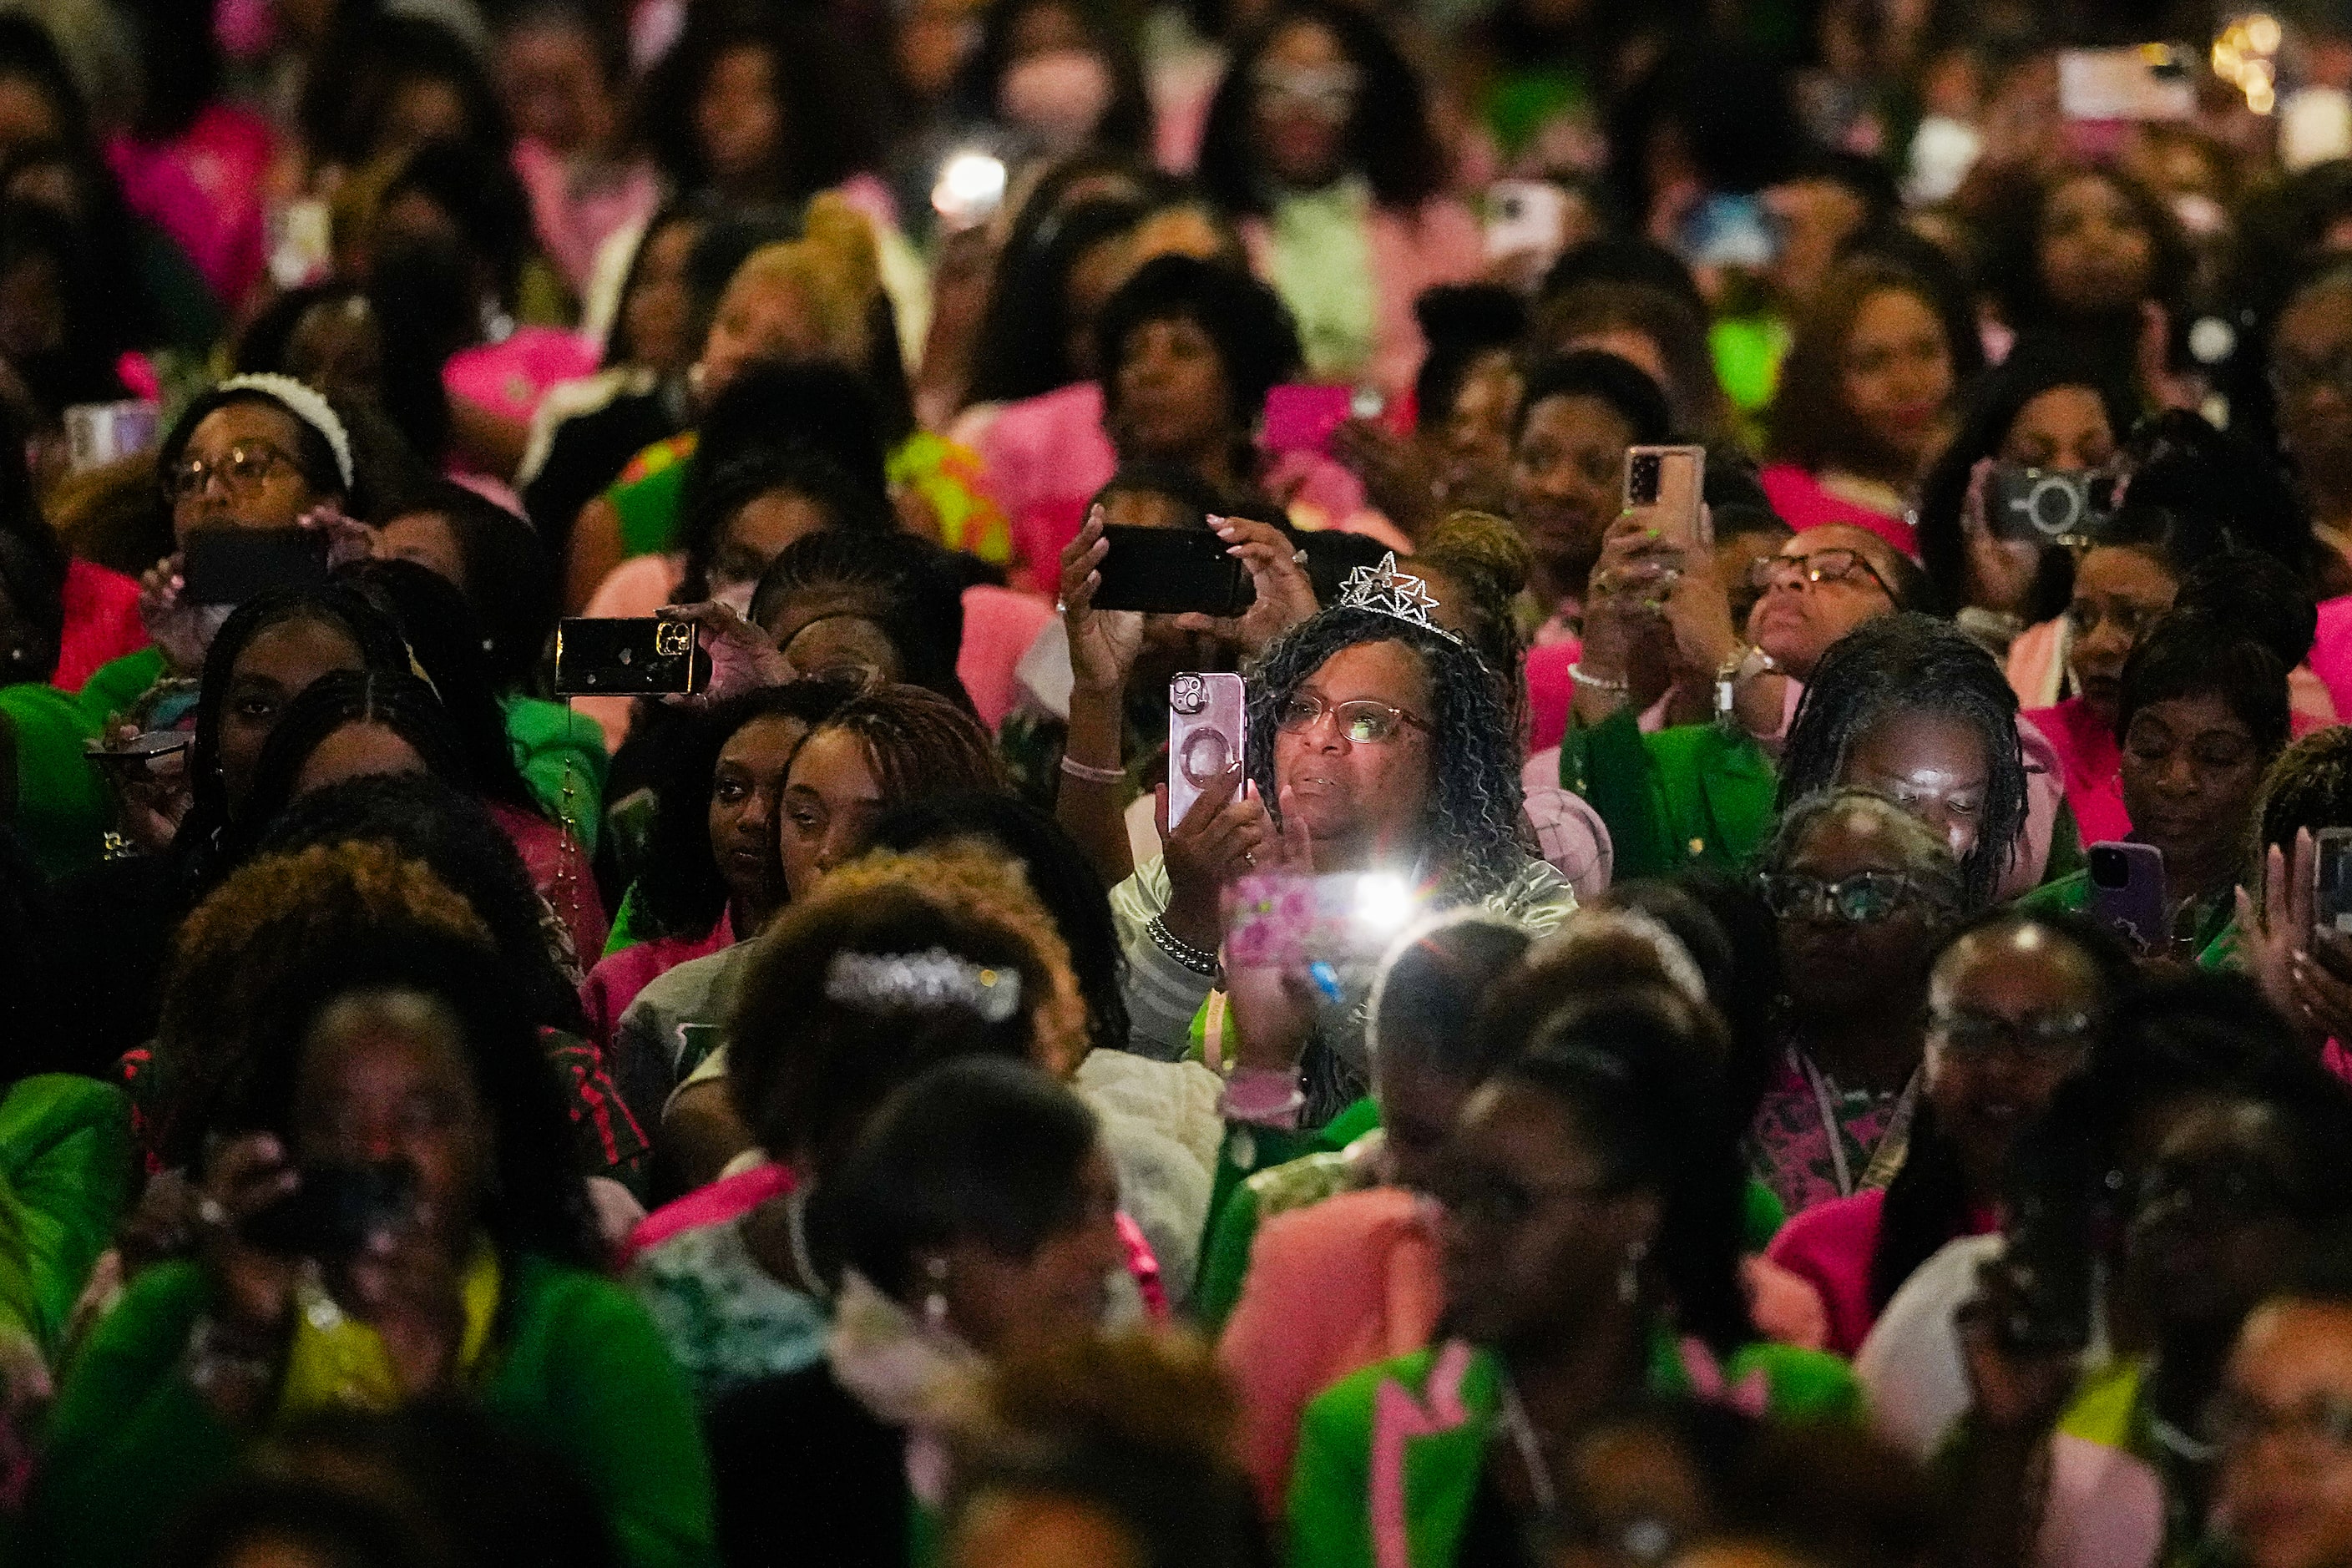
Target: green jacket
1390,1457
65,1162
578,1368
1694,794
2213,933
53,797
118,683
557,751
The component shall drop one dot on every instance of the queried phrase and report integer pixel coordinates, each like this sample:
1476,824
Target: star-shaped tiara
1385,591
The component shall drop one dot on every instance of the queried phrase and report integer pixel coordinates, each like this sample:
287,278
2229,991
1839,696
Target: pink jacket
1412,251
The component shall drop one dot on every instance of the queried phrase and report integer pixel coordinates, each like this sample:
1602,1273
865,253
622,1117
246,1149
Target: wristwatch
1747,662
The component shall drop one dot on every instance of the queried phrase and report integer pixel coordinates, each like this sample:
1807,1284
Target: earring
1629,1277
935,1305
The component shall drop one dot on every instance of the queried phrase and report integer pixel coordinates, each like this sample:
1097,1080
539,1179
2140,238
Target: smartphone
229,565
2148,81
1664,485
2052,1199
1300,417
1730,231
336,1210
98,433
1289,920
1208,720
1525,216
1172,572
634,657
2127,894
142,752
2331,901
2047,505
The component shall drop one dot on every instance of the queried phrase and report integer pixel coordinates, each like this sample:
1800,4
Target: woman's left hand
405,1285
2277,932
743,658
178,627
348,539
1285,597
2000,570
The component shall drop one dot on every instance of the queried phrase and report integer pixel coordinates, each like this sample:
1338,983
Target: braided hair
1473,809
1913,663
920,745
393,700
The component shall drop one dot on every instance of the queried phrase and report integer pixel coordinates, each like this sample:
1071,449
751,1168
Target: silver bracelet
1088,773
1203,965
1576,673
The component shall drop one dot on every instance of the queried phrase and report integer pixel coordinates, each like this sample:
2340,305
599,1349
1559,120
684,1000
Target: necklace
1530,1447
796,1234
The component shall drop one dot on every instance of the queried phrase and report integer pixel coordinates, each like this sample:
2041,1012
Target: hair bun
1482,545
842,241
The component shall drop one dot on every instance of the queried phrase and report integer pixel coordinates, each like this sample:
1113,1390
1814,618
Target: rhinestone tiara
1385,591
922,982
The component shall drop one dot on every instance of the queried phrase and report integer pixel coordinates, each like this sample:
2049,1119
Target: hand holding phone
226,566
633,656
1664,488
1208,727
1170,572
2128,896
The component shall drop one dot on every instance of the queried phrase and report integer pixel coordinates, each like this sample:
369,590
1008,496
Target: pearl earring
935,1305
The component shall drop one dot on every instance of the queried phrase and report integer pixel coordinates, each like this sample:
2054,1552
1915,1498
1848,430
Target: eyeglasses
2054,1040
1487,1200
1858,899
1328,91
244,470
1820,566
2237,1422
1363,722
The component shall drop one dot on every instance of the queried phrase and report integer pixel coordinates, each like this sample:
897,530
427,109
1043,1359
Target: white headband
305,404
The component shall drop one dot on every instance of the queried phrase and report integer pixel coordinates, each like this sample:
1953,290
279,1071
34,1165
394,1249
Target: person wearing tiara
1377,743
895,963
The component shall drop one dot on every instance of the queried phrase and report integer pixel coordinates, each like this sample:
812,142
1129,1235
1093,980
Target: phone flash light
971,186
1383,903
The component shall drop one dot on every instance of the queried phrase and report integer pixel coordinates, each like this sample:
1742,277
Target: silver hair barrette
922,983
1385,591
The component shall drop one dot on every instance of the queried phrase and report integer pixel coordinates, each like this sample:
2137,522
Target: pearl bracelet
1203,965
1089,774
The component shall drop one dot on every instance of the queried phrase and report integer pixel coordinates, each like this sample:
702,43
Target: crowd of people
629,935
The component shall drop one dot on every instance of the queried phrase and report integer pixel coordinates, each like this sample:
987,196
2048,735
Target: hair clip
922,983
1385,591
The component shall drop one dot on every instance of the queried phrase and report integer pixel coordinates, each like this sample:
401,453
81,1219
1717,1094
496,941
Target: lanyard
1531,1455
1894,1136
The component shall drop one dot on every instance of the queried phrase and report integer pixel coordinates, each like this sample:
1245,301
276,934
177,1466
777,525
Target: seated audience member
1320,142
890,746
1592,1193
1864,893
975,1218
2241,1189
1865,404
2202,710
1466,404
709,871
50,795
2280,1421
2015,1007
2299,960
1383,743
809,1057
406,1050
1119,1448
1576,417
256,451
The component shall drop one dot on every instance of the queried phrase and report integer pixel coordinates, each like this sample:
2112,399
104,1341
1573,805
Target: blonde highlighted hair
835,266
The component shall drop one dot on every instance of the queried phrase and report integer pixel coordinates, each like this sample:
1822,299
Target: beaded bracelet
1576,672
1090,774
1192,958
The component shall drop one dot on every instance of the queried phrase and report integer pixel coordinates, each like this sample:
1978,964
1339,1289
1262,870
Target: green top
1690,794
2211,925
558,751
66,1161
59,805
1342,1479
115,685
578,1368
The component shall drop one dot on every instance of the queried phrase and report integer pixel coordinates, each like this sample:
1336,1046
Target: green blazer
578,1368
1694,794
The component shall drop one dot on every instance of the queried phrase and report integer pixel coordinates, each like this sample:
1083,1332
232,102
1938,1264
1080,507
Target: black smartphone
2331,869
336,1210
635,656
2053,1193
230,565
1172,572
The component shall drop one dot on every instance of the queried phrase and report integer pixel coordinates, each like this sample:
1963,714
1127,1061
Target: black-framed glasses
244,468
2237,1421
1858,899
1832,565
2053,1040
1362,721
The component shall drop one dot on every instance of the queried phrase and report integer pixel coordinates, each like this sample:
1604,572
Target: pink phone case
1207,723
1302,418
